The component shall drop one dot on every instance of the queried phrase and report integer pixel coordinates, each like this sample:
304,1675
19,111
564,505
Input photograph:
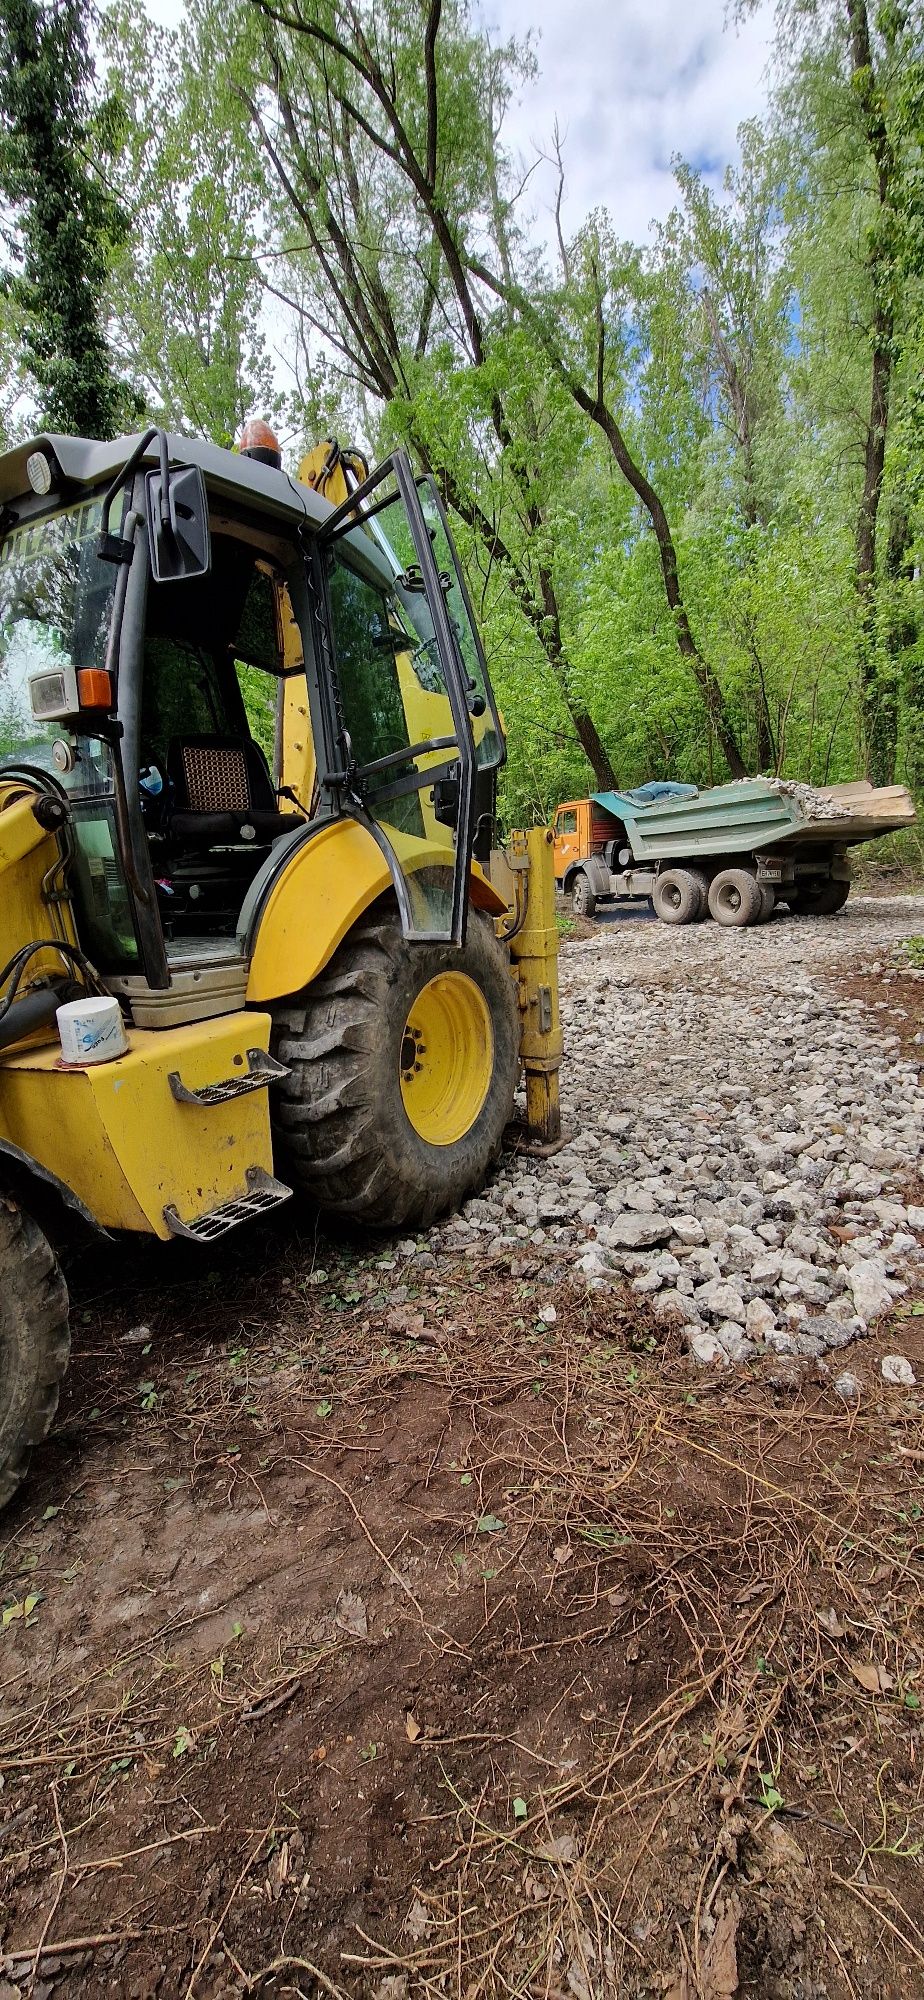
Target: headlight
39,472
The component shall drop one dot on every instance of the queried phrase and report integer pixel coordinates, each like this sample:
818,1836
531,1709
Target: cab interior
216,652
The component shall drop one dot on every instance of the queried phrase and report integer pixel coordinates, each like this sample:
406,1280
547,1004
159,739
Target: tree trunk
904,653
713,698
879,693
542,613
879,697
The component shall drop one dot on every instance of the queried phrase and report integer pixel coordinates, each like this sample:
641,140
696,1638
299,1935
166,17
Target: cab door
567,842
398,701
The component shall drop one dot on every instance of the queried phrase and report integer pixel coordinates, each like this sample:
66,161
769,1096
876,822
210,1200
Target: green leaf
912,1700
183,1741
490,1525
520,1809
324,1409
771,1799
50,1513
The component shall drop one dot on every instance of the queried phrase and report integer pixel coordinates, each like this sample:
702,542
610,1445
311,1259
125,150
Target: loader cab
216,653
308,663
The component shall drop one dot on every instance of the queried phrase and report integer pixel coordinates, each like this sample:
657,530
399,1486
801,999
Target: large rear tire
34,1341
822,901
679,895
404,1061
734,897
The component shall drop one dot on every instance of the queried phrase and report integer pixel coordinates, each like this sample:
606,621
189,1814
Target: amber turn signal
94,687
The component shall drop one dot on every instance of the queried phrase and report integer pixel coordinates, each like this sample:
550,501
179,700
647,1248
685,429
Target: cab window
566,822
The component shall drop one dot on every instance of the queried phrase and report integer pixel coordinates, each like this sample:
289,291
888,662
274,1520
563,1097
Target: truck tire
767,903
679,895
404,1061
34,1341
820,901
583,900
734,897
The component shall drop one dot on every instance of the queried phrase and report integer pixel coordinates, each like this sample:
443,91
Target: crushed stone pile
740,1136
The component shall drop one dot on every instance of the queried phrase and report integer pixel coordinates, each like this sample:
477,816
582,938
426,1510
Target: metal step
263,1071
265,1194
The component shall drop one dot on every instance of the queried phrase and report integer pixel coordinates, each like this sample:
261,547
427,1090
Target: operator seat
223,794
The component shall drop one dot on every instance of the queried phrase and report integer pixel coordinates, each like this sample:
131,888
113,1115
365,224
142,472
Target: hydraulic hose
36,1010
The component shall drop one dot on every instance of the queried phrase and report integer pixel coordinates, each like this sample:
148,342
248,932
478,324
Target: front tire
34,1341
583,900
404,1061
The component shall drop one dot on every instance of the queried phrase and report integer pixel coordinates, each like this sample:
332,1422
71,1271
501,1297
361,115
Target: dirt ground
363,1636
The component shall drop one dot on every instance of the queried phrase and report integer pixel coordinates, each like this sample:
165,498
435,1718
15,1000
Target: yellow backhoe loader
249,936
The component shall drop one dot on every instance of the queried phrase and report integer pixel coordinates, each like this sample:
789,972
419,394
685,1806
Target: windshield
55,606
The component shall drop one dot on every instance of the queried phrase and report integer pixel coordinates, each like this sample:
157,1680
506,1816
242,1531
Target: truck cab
571,828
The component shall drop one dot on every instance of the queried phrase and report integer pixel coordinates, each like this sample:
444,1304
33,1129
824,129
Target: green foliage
187,289
291,180
52,173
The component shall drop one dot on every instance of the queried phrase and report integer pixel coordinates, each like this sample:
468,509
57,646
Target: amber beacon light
259,442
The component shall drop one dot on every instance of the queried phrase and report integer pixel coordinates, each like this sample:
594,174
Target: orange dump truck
732,852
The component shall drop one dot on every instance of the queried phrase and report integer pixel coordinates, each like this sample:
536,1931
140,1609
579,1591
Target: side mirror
178,524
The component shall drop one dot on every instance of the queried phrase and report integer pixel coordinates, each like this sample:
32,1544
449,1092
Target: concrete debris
739,1137
897,1369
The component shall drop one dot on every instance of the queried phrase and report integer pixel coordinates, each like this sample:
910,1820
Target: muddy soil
372,1629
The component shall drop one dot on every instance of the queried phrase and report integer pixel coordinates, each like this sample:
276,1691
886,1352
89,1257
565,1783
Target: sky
632,82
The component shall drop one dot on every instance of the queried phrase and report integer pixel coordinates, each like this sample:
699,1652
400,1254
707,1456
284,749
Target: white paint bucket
91,1030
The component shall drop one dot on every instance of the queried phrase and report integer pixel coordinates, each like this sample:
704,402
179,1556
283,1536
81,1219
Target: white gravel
740,1134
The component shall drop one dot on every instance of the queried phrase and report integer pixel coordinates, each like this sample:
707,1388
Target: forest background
686,476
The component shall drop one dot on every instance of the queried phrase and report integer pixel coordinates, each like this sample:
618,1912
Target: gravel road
742,1134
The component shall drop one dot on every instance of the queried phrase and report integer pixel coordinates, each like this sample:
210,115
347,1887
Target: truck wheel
679,896
583,900
767,903
34,1341
404,1062
822,901
734,897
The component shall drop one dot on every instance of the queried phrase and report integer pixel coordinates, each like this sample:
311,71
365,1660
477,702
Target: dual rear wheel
734,897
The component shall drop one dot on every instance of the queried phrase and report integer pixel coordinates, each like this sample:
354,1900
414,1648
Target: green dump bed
756,815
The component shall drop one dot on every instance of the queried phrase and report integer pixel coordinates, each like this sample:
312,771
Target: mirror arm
116,548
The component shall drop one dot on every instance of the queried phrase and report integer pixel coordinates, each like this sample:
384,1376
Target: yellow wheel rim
447,1058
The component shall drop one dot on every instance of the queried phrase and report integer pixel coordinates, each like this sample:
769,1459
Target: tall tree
64,220
379,161
187,291
430,132
856,156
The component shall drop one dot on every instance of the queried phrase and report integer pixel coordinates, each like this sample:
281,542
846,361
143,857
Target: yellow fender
321,893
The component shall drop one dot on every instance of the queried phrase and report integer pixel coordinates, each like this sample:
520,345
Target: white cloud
631,85
632,82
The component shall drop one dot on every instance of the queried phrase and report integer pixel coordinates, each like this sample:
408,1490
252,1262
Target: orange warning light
259,442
